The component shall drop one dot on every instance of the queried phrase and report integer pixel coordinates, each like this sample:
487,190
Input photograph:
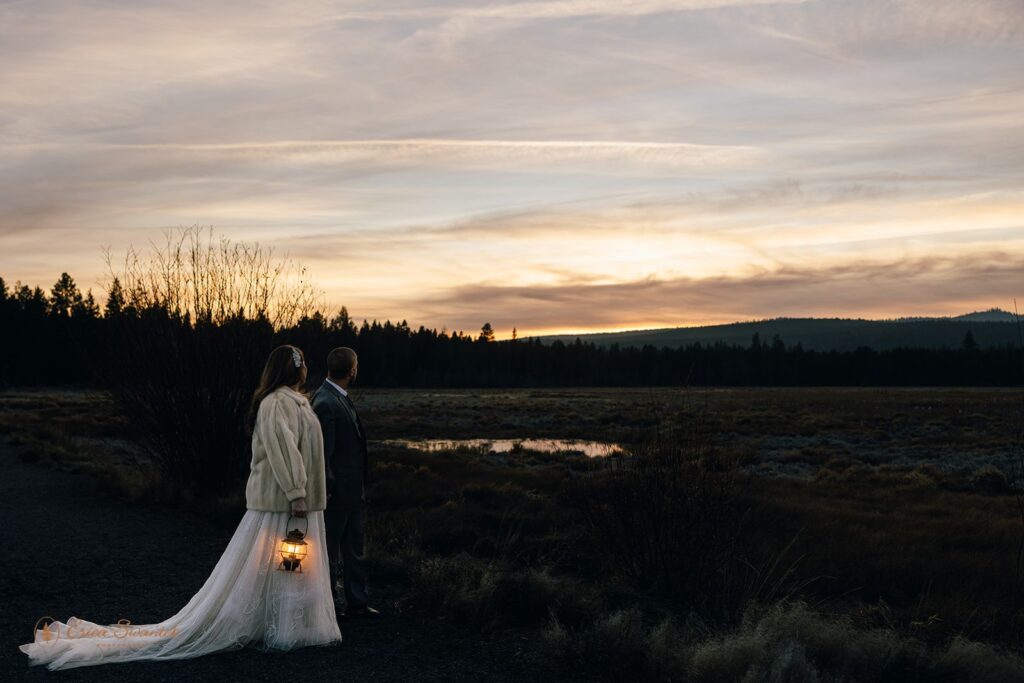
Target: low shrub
990,480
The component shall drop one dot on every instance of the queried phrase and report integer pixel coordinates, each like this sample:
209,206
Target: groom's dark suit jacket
344,445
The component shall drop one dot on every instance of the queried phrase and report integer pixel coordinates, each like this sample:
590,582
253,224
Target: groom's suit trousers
344,522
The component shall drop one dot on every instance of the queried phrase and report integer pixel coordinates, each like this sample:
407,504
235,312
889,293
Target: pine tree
64,297
343,322
31,301
969,344
115,299
486,333
87,307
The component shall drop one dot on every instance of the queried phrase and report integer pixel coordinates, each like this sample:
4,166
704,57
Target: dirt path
168,555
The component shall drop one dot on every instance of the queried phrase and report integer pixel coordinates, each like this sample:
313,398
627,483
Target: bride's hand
299,507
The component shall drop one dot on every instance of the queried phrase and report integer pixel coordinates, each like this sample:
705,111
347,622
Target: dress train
245,601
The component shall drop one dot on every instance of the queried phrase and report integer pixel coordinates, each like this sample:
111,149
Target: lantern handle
291,517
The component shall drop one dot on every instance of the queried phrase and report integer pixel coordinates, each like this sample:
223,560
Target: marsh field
839,533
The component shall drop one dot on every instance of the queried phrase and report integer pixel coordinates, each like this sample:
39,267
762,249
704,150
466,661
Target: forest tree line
62,337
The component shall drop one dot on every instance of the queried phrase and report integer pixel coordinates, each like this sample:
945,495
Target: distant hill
991,315
989,328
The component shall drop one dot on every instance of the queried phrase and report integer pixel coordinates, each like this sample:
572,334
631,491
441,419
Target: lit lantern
293,550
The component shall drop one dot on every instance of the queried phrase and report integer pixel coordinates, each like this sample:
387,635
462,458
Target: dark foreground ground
878,542
164,558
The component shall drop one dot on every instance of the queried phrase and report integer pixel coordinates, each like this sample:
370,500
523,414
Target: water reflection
591,449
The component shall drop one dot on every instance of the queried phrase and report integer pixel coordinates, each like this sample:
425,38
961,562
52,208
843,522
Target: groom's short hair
340,362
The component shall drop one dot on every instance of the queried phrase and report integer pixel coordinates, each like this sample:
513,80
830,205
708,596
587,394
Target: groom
345,458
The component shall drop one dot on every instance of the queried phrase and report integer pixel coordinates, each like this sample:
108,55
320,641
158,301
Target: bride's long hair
279,371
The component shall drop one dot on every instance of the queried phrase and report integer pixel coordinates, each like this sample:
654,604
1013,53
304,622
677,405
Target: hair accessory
296,358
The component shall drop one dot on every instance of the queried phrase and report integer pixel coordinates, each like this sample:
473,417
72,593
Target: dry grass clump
497,594
990,479
964,659
782,642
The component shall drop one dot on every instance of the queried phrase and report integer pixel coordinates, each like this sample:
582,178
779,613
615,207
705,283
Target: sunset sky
568,165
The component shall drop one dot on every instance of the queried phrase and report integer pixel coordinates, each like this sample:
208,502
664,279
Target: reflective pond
592,449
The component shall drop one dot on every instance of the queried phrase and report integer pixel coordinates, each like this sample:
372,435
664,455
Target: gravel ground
167,555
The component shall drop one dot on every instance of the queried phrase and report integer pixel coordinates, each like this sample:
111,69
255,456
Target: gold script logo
46,630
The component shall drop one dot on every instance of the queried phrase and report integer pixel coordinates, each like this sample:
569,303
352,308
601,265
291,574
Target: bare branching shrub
201,279
666,514
198,318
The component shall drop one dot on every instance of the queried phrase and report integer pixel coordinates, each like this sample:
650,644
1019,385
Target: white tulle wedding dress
246,601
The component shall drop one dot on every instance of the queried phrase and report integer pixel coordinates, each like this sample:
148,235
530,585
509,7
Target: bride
246,600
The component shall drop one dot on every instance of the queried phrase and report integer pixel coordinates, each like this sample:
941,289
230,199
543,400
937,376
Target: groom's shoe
361,611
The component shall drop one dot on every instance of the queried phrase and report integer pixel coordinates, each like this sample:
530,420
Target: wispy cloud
930,285
440,152
554,9
413,153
